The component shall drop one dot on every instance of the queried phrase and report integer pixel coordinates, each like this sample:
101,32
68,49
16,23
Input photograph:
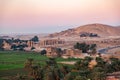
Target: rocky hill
99,29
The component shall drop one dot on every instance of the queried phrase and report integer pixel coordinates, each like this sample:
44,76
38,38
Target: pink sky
35,16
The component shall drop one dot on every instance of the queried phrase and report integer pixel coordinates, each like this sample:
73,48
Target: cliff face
100,29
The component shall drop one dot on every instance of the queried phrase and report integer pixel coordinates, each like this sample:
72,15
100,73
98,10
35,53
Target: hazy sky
45,16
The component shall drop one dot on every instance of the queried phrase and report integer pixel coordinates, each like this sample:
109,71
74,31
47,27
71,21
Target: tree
1,44
114,64
16,40
100,62
28,64
80,71
94,51
51,62
76,46
32,48
21,47
69,76
93,46
52,71
98,73
43,52
36,72
14,47
59,51
64,69
82,46
85,47
35,39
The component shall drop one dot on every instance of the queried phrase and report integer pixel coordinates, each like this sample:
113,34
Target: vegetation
35,39
12,62
16,44
43,52
1,44
15,59
86,47
80,71
19,47
39,67
88,35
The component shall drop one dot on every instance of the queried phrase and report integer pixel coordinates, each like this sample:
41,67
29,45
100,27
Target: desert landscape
59,40
67,47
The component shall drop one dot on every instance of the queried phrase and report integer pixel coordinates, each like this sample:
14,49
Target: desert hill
100,29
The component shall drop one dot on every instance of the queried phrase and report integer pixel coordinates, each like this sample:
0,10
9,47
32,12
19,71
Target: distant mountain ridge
100,29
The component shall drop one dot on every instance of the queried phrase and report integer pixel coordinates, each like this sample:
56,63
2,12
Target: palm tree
94,51
98,73
36,72
69,77
115,64
64,69
28,64
53,73
51,62
100,62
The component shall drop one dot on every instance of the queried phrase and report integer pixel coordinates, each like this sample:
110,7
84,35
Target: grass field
15,59
12,62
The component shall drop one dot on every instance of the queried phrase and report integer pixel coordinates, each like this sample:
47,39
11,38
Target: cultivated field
12,62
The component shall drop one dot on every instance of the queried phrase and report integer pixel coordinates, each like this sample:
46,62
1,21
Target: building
30,43
71,53
52,52
6,45
51,42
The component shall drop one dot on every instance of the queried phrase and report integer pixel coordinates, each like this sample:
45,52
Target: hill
22,36
99,29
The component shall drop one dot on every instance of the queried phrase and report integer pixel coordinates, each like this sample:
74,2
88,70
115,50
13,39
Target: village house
6,45
67,53
52,52
71,53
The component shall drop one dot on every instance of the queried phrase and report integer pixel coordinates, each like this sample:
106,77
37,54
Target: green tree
100,62
114,64
93,51
35,39
51,62
93,46
98,73
64,69
69,76
32,48
52,71
82,46
28,64
14,47
1,46
43,52
36,72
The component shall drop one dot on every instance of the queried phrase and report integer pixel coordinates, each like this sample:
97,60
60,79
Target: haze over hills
100,29
22,36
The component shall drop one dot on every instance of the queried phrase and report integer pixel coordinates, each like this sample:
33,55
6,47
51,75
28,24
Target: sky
48,16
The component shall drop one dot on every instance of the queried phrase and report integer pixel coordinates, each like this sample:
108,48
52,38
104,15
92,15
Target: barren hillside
100,29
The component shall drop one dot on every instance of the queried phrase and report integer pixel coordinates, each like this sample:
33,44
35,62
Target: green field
15,59
12,62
